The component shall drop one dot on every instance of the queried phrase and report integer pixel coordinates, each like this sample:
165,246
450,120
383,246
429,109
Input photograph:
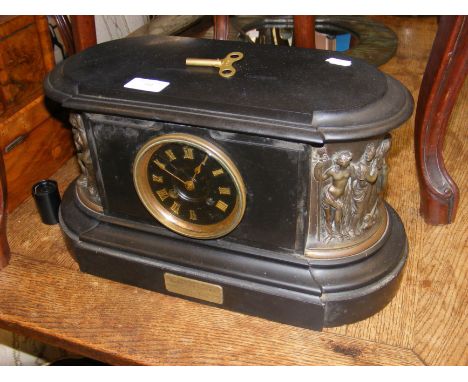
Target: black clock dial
190,185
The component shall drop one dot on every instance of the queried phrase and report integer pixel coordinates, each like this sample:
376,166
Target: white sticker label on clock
338,61
147,85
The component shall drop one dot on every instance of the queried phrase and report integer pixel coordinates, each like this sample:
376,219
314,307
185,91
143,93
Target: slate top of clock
280,92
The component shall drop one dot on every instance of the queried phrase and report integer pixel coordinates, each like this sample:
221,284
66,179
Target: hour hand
197,169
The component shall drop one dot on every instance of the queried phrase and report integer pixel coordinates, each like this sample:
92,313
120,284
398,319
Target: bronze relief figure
86,182
351,192
333,193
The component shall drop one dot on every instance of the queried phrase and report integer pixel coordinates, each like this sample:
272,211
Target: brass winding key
226,69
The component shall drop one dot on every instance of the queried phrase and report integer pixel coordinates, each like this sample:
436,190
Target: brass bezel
157,210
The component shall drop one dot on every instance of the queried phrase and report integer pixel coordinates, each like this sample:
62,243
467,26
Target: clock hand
163,167
197,169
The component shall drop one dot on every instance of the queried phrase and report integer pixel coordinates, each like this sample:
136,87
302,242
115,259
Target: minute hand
163,167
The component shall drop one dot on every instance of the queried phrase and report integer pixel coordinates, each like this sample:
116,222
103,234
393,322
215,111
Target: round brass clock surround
161,213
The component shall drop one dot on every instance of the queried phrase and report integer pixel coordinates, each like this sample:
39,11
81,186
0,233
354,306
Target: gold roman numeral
193,215
218,172
158,179
159,164
224,190
221,205
163,195
188,153
175,208
170,155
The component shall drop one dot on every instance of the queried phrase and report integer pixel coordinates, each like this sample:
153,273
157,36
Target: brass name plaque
193,288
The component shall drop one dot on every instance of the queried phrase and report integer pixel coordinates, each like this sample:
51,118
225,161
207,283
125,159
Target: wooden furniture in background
221,27
65,31
34,143
4,247
25,57
84,32
304,31
444,76
77,32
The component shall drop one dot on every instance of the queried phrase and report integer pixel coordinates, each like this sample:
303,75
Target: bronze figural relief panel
86,182
347,211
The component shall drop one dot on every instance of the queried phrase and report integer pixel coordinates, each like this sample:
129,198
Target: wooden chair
78,32
443,78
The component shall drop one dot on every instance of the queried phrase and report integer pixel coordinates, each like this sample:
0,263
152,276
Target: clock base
284,288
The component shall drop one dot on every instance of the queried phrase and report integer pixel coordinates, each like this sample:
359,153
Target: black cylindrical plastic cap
47,197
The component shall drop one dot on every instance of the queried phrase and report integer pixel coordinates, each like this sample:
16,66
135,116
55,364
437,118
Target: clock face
189,185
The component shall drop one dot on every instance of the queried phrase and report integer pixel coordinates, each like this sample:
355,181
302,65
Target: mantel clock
242,176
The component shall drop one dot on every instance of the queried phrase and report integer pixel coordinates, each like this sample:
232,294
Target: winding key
226,69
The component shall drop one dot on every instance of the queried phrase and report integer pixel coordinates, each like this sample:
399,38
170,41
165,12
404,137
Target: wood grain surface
26,55
4,246
44,295
121,324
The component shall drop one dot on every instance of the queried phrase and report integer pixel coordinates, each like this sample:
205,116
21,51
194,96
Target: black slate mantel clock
259,191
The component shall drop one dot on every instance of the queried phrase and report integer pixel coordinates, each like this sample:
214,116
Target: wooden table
44,295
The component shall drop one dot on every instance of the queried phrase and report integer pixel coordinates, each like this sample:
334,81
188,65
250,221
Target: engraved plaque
193,288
